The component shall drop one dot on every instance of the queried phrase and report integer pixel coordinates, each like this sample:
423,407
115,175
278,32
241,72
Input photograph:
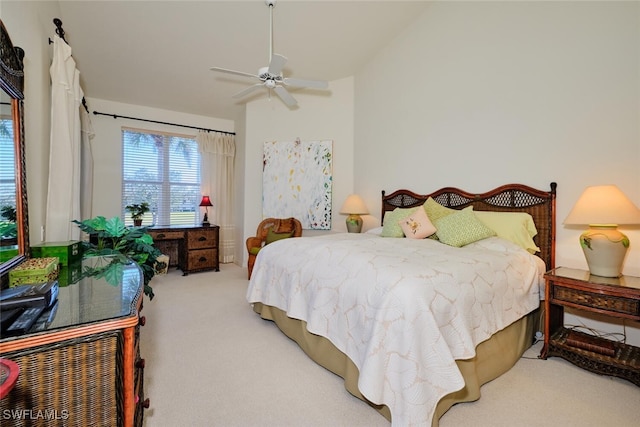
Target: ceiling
158,53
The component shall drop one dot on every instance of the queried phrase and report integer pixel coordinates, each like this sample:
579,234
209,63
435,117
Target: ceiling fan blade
277,64
248,90
316,84
238,73
285,96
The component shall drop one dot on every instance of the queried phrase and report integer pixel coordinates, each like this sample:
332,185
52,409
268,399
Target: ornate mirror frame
12,82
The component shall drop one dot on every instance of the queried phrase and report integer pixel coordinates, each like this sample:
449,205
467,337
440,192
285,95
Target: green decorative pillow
436,211
461,228
390,226
272,236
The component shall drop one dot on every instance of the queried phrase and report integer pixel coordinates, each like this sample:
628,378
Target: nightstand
614,297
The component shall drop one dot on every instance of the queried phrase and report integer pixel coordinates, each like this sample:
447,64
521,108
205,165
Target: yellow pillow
517,227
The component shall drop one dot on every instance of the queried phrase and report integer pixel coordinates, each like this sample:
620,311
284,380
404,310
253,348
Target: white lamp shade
354,205
603,204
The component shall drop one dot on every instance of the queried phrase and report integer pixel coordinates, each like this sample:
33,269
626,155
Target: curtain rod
116,116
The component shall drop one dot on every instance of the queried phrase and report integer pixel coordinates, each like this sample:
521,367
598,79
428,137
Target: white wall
107,144
317,118
479,94
30,25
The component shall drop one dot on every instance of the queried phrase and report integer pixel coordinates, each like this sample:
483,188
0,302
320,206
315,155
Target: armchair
270,230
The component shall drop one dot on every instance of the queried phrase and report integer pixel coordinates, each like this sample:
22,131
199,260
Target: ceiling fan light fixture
271,76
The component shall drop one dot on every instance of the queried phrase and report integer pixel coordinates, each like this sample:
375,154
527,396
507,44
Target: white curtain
217,153
86,165
63,195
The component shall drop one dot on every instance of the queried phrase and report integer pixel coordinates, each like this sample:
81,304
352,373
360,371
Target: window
7,178
164,171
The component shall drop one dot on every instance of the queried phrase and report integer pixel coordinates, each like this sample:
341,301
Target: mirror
14,229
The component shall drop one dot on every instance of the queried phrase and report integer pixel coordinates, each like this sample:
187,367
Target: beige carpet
211,361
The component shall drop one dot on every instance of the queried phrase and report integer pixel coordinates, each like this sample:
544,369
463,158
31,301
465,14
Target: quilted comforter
402,310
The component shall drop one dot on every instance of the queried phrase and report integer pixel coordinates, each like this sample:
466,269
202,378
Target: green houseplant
8,217
137,211
110,237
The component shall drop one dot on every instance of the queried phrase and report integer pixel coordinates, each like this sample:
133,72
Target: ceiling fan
271,76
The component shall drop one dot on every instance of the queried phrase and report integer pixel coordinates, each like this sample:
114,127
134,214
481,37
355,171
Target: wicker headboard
541,205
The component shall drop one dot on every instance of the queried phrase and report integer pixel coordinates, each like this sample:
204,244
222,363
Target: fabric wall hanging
297,182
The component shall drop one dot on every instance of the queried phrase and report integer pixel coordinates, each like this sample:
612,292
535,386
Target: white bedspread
403,310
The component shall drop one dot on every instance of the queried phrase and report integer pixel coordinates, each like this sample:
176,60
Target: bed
415,325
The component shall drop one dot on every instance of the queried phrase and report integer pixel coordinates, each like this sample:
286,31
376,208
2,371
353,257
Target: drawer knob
202,239
140,364
146,403
143,320
202,259
161,236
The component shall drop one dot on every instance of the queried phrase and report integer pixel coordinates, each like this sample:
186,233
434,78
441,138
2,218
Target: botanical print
297,182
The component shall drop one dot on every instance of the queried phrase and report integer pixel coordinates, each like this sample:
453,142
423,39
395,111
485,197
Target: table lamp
603,208
354,207
206,202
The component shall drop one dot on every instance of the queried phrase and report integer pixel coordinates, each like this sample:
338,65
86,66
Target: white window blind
164,171
7,163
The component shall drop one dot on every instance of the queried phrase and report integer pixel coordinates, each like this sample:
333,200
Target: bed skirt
494,356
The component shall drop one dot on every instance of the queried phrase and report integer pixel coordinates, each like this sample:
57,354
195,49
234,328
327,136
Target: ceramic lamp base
604,248
354,224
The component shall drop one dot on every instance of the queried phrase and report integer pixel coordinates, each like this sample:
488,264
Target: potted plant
122,245
137,211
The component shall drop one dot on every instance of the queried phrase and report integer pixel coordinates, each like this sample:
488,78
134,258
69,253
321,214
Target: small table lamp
206,202
603,208
354,207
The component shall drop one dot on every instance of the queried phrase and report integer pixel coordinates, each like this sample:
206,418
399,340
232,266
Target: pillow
272,236
417,225
435,210
390,226
461,228
517,227
377,231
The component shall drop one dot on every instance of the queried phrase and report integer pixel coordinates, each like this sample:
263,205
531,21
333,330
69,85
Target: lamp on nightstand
206,202
603,208
354,207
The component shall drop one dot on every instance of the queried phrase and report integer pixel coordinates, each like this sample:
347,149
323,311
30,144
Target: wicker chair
269,230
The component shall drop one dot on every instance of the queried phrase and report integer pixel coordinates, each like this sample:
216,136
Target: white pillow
377,231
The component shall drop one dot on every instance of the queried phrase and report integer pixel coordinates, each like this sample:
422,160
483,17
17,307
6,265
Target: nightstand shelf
614,297
624,363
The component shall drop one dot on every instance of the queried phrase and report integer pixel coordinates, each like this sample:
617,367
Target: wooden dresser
83,368
191,249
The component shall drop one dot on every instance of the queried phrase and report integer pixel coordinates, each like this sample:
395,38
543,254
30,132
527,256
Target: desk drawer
596,300
199,239
202,259
167,235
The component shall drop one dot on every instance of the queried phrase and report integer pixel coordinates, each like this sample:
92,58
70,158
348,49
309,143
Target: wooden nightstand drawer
198,239
596,300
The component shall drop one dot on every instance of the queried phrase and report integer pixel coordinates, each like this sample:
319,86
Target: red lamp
206,202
